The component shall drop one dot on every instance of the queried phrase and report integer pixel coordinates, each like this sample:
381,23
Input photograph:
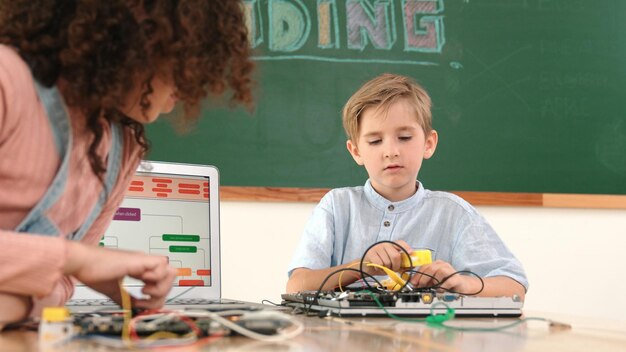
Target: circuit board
413,304
113,325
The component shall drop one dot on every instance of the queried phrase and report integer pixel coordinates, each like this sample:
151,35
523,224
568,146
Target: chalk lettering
297,29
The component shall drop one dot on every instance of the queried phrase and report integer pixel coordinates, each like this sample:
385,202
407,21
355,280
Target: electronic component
415,303
419,257
55,327
112,325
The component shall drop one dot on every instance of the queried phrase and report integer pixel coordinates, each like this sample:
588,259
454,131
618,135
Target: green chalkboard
529,95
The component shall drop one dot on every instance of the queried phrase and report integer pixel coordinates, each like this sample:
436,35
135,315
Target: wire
393,316
126,309
393,243
415,272
340,279
406,281
163,338
482,282
162,316
270,302
392,274
552,324
401,281
495,328
129,334
319,290
438,284
258,315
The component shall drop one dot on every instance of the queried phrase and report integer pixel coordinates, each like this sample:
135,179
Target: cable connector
558,326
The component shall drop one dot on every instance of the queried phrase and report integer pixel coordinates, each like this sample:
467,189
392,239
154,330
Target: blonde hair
380,93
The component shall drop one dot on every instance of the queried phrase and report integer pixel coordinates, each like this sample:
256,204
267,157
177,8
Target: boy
389,126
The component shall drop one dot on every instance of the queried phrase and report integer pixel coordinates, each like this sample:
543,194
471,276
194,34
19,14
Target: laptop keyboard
180,301
192,301
90,302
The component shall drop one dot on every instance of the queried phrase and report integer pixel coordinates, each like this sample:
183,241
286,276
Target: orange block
190,283
183,271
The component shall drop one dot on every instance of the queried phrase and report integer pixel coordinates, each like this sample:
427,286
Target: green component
183,249
181,238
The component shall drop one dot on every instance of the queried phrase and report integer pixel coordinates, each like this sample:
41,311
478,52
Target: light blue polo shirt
348,220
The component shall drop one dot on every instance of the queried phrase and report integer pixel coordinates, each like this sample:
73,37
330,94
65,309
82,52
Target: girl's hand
13,308
103,268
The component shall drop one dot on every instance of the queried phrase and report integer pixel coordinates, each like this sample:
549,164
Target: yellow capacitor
419,257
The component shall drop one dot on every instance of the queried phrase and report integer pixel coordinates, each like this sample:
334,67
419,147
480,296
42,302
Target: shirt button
386,223
391,207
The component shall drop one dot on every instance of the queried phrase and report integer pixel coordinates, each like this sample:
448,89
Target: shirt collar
382,203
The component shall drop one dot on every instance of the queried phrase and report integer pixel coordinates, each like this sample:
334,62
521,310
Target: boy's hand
386,254
440,270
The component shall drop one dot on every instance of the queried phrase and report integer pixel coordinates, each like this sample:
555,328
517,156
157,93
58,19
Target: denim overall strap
113,169
36,221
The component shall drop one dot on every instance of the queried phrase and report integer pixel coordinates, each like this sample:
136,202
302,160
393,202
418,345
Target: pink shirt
32,264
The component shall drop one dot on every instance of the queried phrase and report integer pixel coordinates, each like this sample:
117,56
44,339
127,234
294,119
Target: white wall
573,257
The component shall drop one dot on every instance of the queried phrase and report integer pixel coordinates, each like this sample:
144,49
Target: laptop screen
172,210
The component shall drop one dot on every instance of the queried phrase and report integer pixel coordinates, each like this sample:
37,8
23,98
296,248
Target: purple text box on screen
127,214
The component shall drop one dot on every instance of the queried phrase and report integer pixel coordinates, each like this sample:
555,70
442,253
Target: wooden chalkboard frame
551,200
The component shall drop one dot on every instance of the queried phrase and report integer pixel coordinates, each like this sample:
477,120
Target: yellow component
427,298
419,257
389,284
392,274
55,314
56,327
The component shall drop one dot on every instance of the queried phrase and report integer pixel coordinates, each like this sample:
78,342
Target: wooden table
382,334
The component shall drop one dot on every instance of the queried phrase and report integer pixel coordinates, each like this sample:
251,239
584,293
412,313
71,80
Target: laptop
170,209
406,304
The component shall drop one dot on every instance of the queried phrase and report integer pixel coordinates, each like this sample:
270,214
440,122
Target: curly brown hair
97,47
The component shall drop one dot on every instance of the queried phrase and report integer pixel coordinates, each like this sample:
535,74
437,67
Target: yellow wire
341,275
392,274
126,308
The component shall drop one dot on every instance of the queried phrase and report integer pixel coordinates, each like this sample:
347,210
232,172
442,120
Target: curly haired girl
78,81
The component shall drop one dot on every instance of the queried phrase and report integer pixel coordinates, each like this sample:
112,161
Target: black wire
411,272
406,282
440,283
482,282
414,272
